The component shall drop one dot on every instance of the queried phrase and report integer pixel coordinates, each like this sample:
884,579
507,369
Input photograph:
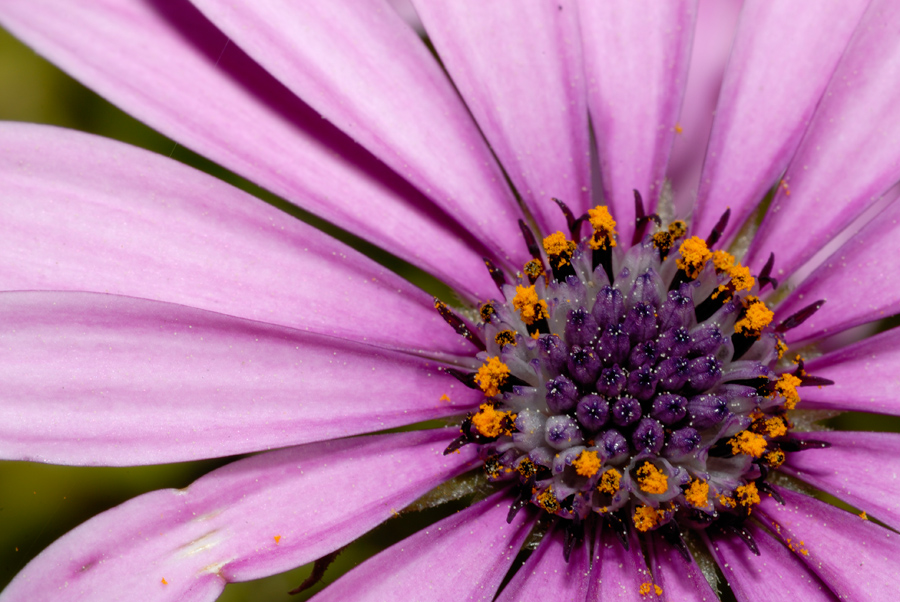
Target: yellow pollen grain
645,588
556,244
797,548
445,398
604,227
609,482
775,427
775,458
505,337
697,494
164,582
863,515
531,308
277,538
490,421
726,501
491,376
645,518
652,480
723,260
547,500
749,444
787,388
757,317
678,128
747,495
587,464
694,255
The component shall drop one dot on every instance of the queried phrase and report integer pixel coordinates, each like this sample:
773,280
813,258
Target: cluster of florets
636,384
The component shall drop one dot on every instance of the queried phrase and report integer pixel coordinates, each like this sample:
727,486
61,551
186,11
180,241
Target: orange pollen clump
741,279
747,495
748,443
694,255
697,494
652,479
645,518
505,337
604,227
647,588
782,348
547,500
534,269
491,376
609,482
757,317
492,422
556,244
775,458
726,501
587,464
775,427
531,308
487,311
723,260
787,388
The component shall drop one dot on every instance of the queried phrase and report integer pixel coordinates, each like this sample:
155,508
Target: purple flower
624,390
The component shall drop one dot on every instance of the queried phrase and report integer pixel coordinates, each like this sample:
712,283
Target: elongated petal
617,573
784,54
101,379
844,163
858,281
518,67
164,63
252,518
866,377
546,575
463,557
636,57
859,468
359,65
85,213
776,574
856,558
678,578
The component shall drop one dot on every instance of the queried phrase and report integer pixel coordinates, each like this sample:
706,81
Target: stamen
697,494
457,324
747,496
748,443
652,480
491,376
786,386
609,482
531,308
756,317
604,228
534,269
694,255
496,274
587,464
645,518
491,422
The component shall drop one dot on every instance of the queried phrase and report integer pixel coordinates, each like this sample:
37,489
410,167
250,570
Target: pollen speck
445,398
863,515
164,582
491,376
277,539
678,128
587,464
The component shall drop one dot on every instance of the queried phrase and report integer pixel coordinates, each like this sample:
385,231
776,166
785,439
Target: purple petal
776,574
713,35
101,379
857,559
163,62
79,212
617,573
636,56
252,518
859,468
679,579
865,377
362,68
547,576
849,157
858,281
782,59
463,557
518,67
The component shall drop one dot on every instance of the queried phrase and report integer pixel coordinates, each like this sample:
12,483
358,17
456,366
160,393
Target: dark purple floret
614,345
707,340
673,373
648,436
592,412
612,381
646,289
554,352
705,372
562,394
677,310
707,410
562,432
643,353
669,408
642,383
674,342
584,365
613,445
581,327
640,324
682,442
626,411
609,307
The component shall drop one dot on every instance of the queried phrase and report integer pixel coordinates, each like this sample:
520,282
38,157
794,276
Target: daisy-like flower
636,375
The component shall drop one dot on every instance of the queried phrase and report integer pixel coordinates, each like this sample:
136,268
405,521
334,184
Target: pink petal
782,59
859,468
776,574
617,573
518,67
252,518
636,57
857,559
101,379
361,67
547,576
166,64
857,281
713,34
679,579
866,377
84,213
849,157
463,557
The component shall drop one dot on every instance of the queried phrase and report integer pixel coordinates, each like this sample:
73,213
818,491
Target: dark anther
795,445
562,267
520,502
800,317
807,380
456,444
457,324
641,219
765,275
718,229
721,449
710,306
530,240
619,528
573,534
741,343
672,535
496,275
570,217
766,488
742,532
466,378
603,257
319,568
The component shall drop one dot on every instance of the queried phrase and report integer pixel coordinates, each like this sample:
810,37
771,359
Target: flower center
633,384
